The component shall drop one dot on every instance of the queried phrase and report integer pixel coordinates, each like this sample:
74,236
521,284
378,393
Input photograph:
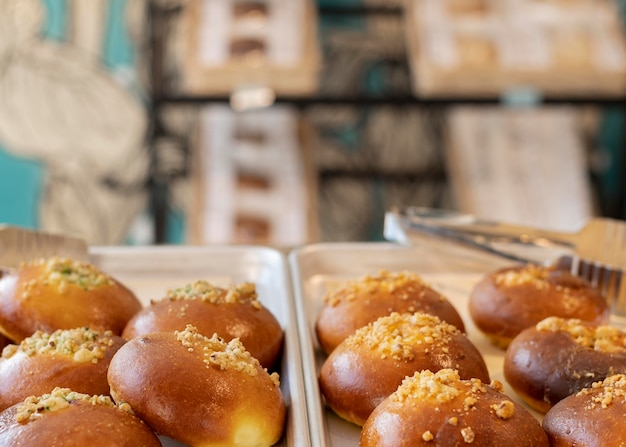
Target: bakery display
65,418
592,417
511,299
441,409
370,364
233,312
362,301
197,390
58,293
559,357
485,47
71,358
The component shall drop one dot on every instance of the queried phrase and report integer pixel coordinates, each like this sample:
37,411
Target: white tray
151,271
314,268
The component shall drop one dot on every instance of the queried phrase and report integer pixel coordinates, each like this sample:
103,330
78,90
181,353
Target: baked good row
397,338
400,374
196,366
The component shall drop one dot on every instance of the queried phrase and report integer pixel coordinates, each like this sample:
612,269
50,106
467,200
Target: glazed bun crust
355,378
79,425
176,392
509,300
545,366
259,331
23,375
363,301
482,418
593,417
29,302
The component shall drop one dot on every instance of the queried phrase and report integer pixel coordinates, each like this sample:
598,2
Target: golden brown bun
77,422
370,364
71,358
362,301
509,300
207,308
198,391
592,417
58,293
558,357
440,409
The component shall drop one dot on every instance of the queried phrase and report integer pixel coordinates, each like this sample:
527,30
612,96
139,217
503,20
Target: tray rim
292,363
320,436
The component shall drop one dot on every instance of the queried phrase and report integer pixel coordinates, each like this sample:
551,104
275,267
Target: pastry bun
441,409
56,293
559,357
362,301
70,358
199,391
592,417
231,313
64,418
509,300
370,364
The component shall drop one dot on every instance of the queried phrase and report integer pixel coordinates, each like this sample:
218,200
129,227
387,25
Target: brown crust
23,375
468,419
544,367
256,327
582,419
47,308
355,378
502,310
81,424
173,390
344,311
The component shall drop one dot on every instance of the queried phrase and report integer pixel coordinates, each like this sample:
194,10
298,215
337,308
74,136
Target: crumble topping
446,386
62,272
396,334
34,407
203,290
426,385
468,435
221,354
530,274
605,393
403,285
82,345
599,338
504,410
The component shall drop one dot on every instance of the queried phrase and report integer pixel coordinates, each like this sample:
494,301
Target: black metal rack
160,97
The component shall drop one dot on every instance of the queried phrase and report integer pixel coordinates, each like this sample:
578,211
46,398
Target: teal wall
21,180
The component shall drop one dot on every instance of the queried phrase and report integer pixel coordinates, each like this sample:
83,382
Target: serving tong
19,244
596,252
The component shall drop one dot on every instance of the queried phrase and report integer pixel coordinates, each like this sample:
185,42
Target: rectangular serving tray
151,271
317,268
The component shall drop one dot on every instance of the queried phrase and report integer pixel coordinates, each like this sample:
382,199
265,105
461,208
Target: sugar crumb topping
528,275
426,385
34,407
62,272
244,293
224,355
446,386
403,285
82,345
504,409
611,390
397,334
599,338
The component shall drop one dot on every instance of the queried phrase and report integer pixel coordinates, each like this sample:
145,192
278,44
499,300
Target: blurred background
287,122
